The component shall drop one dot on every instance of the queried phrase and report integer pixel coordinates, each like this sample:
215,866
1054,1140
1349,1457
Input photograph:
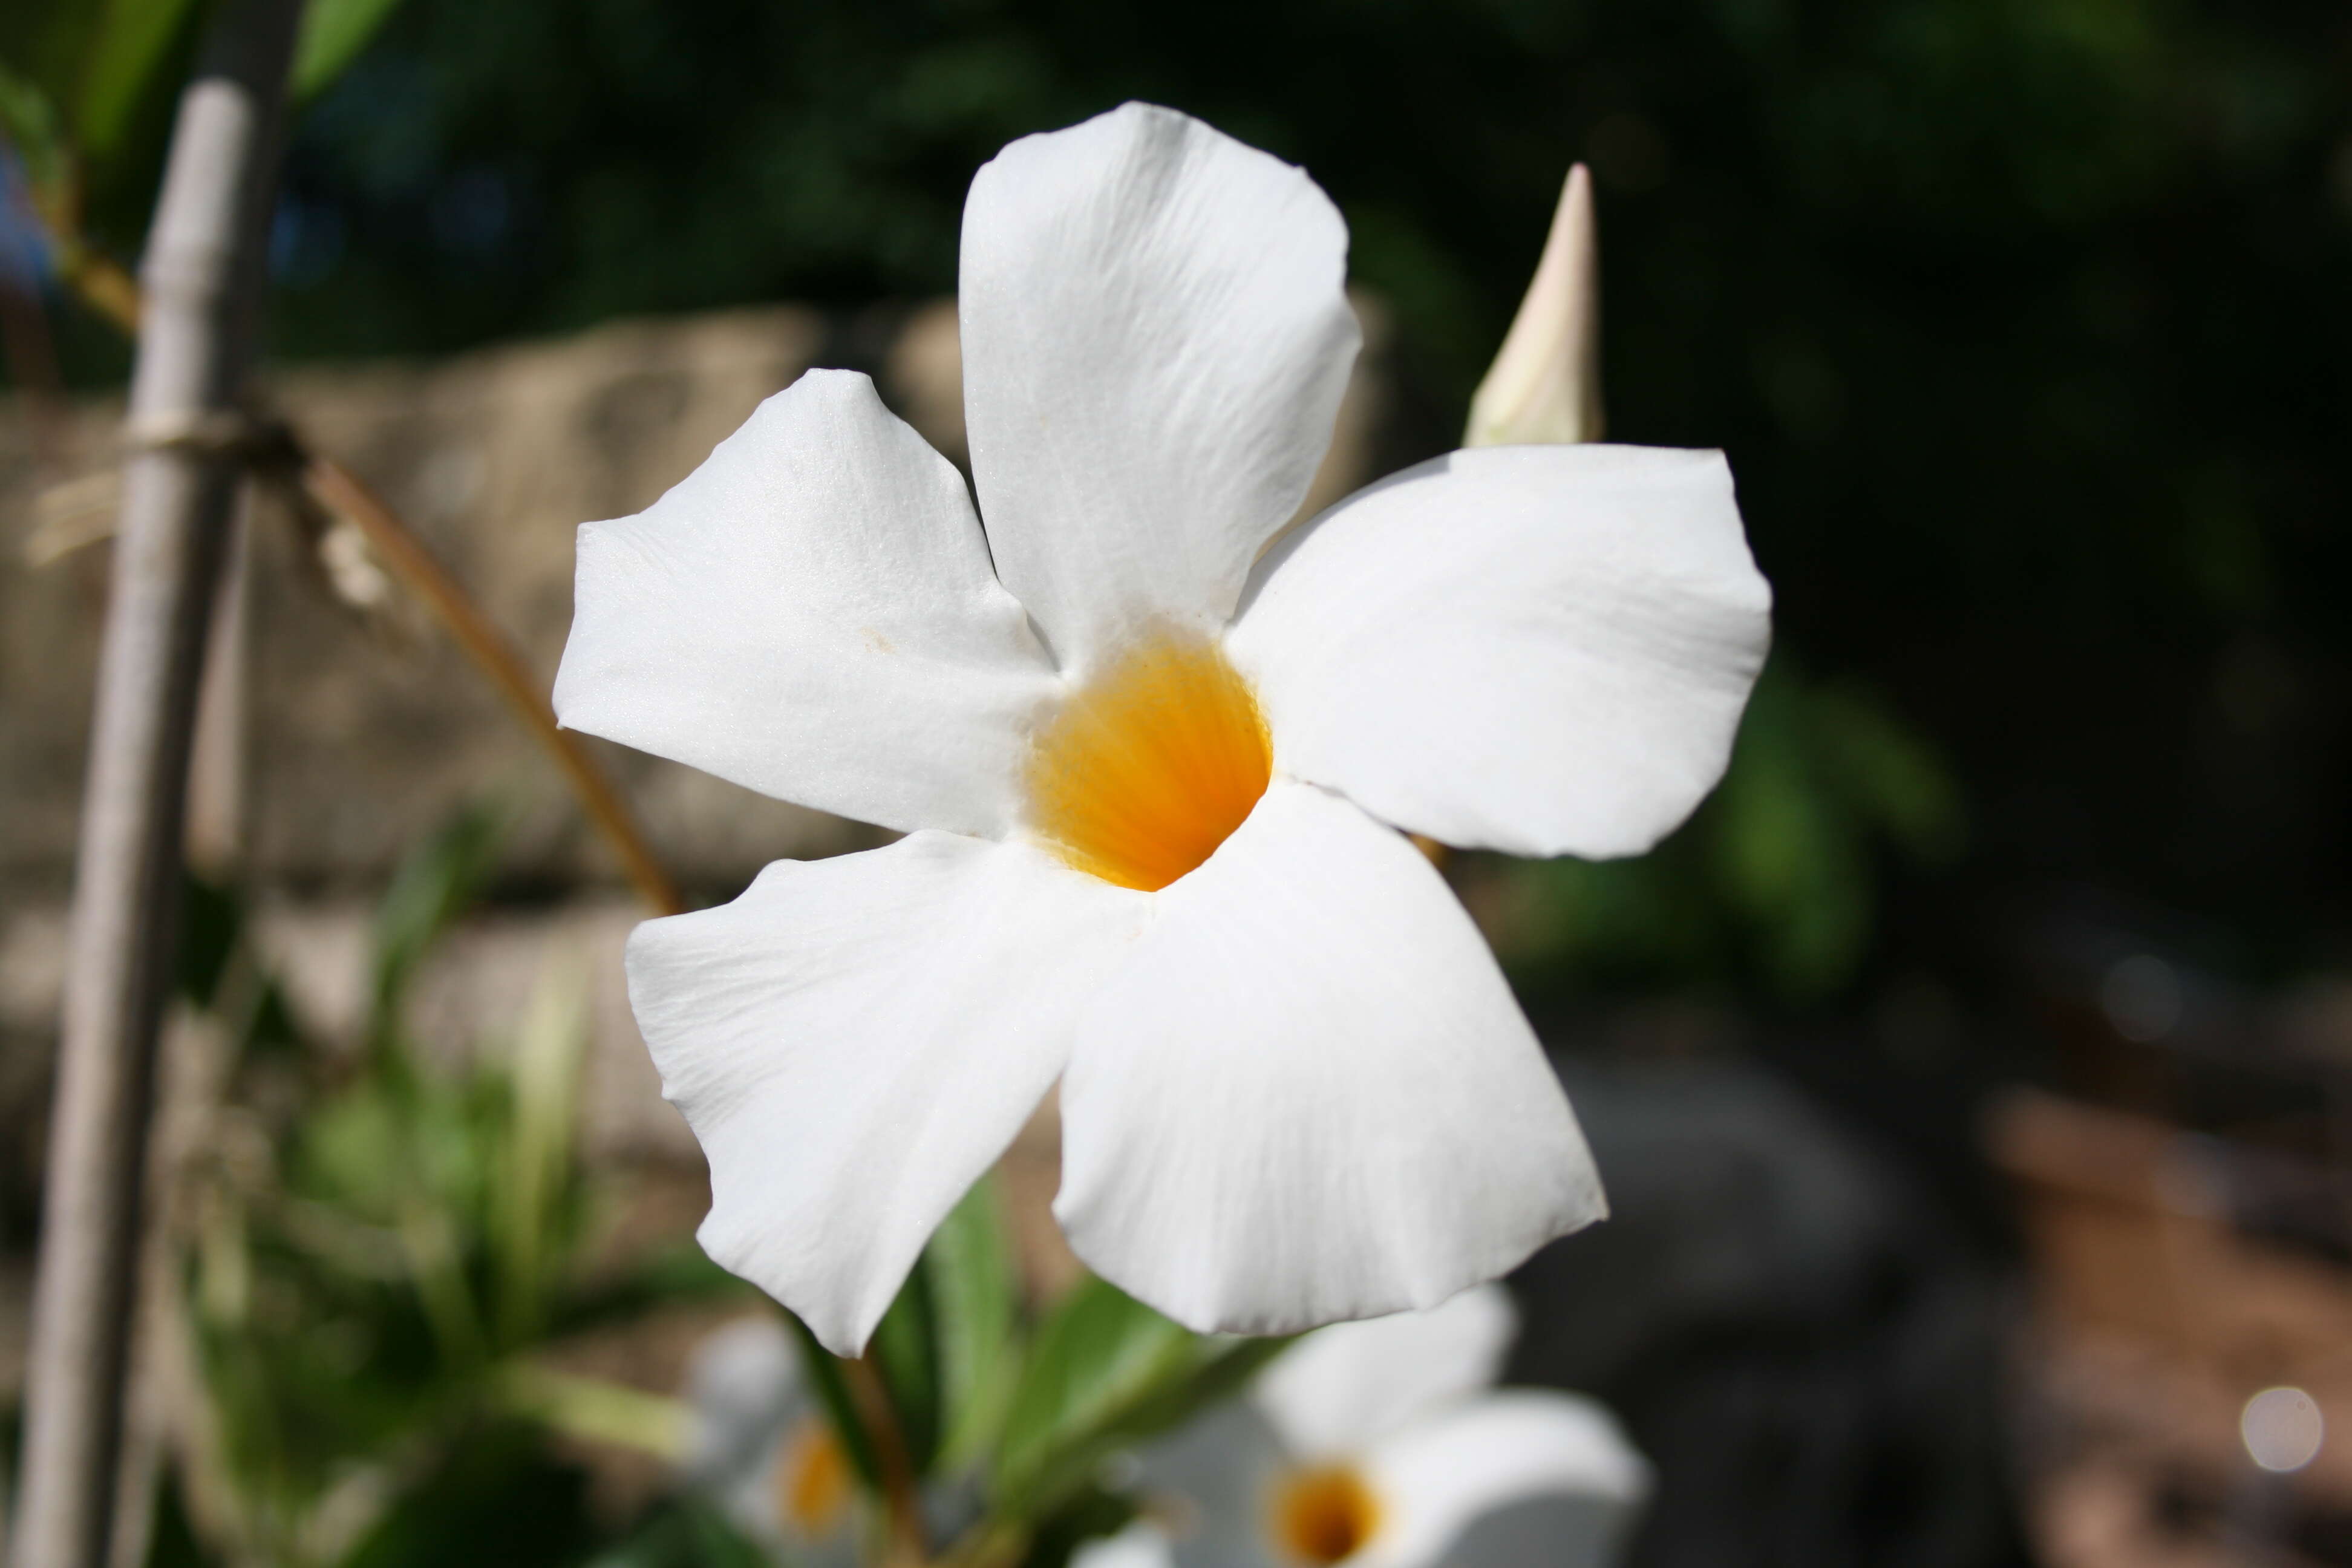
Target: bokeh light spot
2282,1429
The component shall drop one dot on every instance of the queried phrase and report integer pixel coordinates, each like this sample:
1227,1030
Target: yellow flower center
1150,765
1324,1515
812,1479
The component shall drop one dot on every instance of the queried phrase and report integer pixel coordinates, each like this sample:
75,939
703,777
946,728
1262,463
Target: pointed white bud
1544,388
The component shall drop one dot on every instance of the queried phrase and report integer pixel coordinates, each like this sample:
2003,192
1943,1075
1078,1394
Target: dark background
2025,322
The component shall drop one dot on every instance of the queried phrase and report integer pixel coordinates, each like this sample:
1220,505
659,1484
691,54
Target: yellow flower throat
1150,765
1324,1516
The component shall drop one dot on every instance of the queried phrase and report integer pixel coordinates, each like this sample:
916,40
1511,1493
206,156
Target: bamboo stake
202,278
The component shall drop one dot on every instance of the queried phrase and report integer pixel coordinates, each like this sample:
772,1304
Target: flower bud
1544,388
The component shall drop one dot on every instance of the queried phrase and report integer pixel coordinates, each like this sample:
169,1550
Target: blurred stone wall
361,733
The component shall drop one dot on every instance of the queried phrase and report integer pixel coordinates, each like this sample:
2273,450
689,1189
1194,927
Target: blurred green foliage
87,88
379,1246
1772,883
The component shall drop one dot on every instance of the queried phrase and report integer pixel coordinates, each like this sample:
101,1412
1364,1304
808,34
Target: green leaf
832,1386
29,122
534,1201
1089,1513
1220,1370
906,1353
975,1317
333,33
133,44
436,882
676,1271
683,1532
172,1540
212,920
1890,772
497,1495
1789,851
1108,1370
1109,1374
1100,1353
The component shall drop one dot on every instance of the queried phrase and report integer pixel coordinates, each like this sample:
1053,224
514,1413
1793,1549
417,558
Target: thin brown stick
204,270
335,487
909,1542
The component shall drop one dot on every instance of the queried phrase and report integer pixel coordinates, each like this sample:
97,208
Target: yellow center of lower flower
1150,765
1324,1515
812,1479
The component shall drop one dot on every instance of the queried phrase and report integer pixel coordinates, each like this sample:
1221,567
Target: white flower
1545,384
761,1449
1150,769
1382,1444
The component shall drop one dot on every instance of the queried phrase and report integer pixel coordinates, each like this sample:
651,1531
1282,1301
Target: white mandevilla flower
1151,759
1383,1445
758,1446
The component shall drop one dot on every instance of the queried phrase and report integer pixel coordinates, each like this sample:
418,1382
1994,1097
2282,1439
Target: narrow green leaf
1889,771
30,123
333,33
832,1386
1089,1513
1220,1370
1100,1354
683,1532
436,882
496,1495
678,1271
534,1200
131,45
975,1317
212,922
1107,1372
906,1353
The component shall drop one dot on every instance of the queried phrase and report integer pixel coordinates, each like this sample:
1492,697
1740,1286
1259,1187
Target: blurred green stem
440,1278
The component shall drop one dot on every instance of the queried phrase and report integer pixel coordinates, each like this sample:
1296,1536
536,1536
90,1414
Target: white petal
1213,1480
1308,1095
1438,1478
1141,1545
743,1386
1539,649
1155,340
853,1040
1353,1384
745,1392
811,614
